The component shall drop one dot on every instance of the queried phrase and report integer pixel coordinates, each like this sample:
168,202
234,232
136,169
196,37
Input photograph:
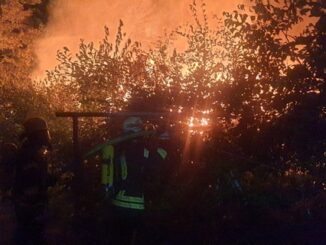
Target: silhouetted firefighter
130,165
7,160
31,182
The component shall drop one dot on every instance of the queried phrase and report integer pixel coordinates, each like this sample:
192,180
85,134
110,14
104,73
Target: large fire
145,21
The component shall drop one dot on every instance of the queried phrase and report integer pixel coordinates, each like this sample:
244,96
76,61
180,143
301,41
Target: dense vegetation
260,84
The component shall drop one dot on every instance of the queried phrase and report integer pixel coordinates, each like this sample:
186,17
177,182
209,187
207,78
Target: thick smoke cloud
144,21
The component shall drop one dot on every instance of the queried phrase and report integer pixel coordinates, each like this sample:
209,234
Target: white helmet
132,125
164,136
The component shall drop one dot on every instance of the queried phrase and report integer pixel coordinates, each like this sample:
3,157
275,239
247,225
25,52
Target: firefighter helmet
164,136
35,124
132,125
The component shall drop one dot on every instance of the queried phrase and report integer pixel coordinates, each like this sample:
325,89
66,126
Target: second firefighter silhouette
127,173
31,182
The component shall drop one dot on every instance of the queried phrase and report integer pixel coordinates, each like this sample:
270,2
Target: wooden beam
110,114
75,142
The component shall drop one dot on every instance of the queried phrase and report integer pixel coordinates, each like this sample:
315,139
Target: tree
17,94
238,73
98,77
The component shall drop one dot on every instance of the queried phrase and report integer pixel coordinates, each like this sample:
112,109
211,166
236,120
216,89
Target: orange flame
145,21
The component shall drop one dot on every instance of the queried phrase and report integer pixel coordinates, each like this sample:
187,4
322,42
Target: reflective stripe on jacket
108,165
124,201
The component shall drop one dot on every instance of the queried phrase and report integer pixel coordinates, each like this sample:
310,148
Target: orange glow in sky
144,21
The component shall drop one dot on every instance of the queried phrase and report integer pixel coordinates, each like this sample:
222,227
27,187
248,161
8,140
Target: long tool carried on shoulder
117,140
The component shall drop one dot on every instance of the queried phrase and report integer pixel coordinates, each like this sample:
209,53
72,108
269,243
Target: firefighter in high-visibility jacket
126,171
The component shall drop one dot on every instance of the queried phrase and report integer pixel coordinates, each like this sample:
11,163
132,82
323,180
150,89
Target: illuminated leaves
249,69
16,62
100,76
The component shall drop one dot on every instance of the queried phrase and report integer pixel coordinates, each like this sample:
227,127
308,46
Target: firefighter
30,182
128,169
8,154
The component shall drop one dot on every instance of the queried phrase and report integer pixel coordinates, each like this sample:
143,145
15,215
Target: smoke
144,21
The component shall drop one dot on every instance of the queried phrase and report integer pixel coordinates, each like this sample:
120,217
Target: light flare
198,123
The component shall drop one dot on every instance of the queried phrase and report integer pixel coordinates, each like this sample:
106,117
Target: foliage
286,98
18,98
98,78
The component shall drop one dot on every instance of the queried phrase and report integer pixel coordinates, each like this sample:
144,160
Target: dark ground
308,233
53,233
